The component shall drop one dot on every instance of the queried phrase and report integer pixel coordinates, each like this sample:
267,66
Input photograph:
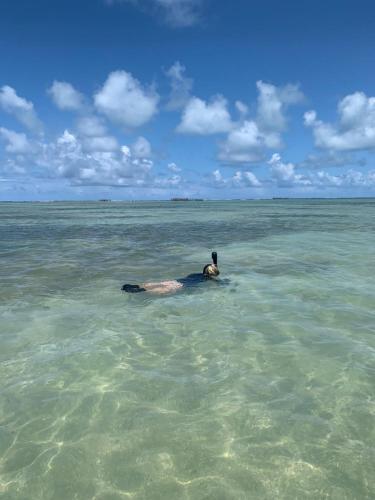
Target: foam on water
263,388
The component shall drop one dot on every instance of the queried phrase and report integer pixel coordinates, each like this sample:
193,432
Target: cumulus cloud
166,182
94,136
284,173
238,180
68,158
20,108
248,179
91,126
100,143
355,128
16,142
125,101
204,118
272,104
246,144
180,86
249,139
351,178
65,96
85,161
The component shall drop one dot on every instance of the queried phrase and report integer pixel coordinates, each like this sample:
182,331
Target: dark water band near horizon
264,388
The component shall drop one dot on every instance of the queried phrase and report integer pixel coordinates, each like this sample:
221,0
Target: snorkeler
209,271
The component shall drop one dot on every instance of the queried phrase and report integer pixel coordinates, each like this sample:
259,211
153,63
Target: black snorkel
214,258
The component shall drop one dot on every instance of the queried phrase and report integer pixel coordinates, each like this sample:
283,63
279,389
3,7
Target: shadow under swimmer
210,272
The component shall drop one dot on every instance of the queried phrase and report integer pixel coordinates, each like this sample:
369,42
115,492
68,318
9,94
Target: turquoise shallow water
264,388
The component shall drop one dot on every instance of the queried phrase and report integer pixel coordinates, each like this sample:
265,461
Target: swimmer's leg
132,288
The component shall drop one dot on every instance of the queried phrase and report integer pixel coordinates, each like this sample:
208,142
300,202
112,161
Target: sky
153,99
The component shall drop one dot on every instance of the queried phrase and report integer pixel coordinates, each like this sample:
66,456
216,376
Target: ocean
261,385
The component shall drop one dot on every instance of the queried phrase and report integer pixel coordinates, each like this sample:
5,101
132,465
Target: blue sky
149,99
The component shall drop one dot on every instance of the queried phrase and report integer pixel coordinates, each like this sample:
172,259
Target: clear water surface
264,388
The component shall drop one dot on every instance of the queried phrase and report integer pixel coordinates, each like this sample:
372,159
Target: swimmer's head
211,270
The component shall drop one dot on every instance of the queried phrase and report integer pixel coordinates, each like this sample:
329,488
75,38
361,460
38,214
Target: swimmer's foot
132,288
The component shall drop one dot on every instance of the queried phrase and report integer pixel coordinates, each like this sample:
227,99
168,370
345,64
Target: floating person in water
210,271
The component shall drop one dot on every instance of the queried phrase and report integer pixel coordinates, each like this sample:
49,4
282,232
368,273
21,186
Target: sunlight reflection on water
263,388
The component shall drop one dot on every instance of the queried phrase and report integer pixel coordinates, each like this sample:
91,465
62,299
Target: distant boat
104,199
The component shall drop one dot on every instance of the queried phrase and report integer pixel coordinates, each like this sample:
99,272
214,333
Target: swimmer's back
210,271
192,279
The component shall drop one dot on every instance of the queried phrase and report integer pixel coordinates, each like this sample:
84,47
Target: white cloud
100,143
284,173
141,148
124,101
20,108
68,158
13,167
67,138
174,168
65,96
244,144
251,180
217,175
173,181
272,104
247,179
203,118
85,161
17,143
310,118
238,180
351,178
249,139
285,176
355,129
91,126
326,179
180,86
93,134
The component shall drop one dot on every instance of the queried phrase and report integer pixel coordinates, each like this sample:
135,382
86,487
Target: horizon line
273,198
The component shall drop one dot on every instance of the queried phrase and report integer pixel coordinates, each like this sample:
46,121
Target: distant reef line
274,198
